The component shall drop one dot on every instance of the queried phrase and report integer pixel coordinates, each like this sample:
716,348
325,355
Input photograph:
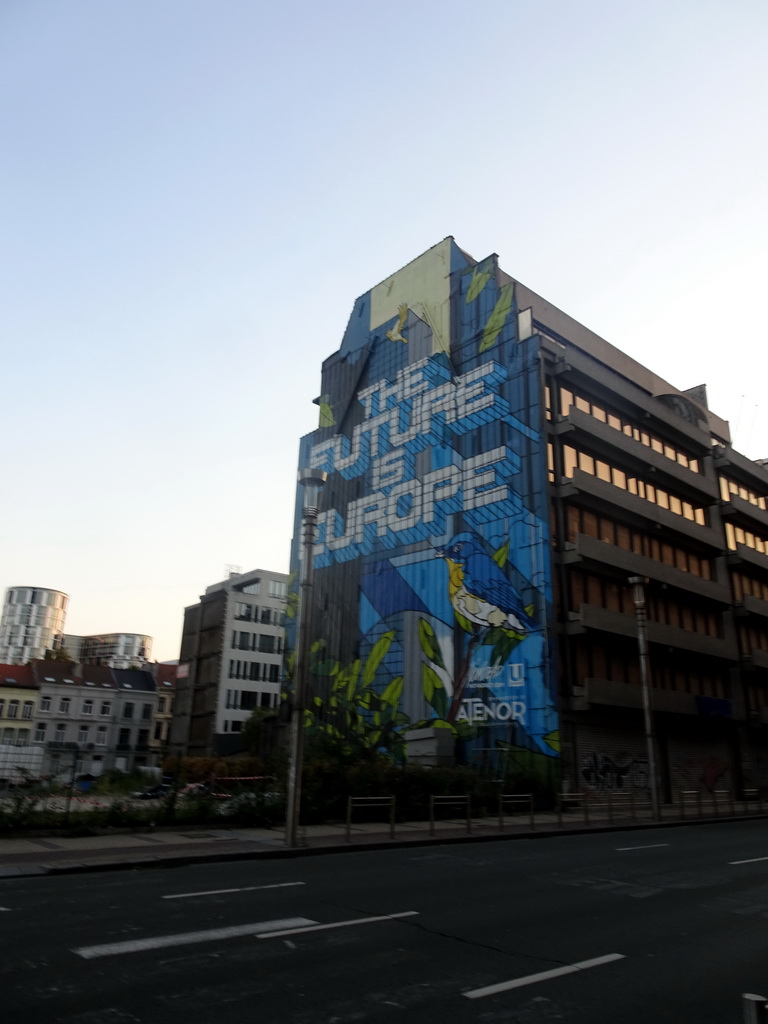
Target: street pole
312,480
638,584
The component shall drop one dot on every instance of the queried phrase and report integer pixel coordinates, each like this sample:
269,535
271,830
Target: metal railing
371,801
450,801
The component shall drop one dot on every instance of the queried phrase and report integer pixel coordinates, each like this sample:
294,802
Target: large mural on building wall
432,570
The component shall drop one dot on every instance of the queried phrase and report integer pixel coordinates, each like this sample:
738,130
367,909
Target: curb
276,853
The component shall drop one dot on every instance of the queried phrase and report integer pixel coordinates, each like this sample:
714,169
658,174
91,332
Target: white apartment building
232,647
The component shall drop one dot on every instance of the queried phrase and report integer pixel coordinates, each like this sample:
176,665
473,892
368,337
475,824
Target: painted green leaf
318,701
393,692
465,624
429,643
500,557
440,723
327,418
529,610
552,739
498,317
434,691
354,672
480,279
378,652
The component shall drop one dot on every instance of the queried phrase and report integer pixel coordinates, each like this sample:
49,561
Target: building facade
117,650
496,475
231,660
32,623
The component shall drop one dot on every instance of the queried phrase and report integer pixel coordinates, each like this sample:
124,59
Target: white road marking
187,938
531,979
4,908
752,860
339,924
219,892
651,846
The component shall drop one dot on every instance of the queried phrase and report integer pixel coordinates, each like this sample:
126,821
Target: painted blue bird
479,590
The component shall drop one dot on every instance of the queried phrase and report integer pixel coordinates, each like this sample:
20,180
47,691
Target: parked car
153,793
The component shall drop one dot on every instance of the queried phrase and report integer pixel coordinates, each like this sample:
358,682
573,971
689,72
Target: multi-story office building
497,474
231,652
117,650
32,623
20,752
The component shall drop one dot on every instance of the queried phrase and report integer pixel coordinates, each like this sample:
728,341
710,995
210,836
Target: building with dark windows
117,650
496,475
230,661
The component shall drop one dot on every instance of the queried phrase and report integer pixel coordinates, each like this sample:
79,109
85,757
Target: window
27,709
45,704
161,705
158,730
40,732
101,735
124,738
64,704
9,735
61,732
252,588
243,641
146,711
266,615
87,707
277,588
2,708
254,672
106,708
237,726
266,644
243,611
274,673
13,709
143,740
82,734
128,710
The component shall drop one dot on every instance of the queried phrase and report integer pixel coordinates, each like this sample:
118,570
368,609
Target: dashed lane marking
187,938
312,927
651,846
219,892
532,979
752,860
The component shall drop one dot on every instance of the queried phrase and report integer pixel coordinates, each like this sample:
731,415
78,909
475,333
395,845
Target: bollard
753,1008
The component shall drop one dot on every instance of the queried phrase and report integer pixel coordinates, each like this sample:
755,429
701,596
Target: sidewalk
167,847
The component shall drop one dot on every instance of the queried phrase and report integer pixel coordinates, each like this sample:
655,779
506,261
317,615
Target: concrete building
32,623
231,652
496,475
117,650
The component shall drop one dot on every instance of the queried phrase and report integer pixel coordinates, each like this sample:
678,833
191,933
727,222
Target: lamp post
312,480
638,584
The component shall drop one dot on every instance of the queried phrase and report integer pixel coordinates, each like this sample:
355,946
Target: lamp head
312,481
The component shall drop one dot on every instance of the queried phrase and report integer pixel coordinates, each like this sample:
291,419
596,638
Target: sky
194,193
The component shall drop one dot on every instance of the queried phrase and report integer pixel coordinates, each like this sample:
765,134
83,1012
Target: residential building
231,652
497,473
103,717
20,751
32,623
117,650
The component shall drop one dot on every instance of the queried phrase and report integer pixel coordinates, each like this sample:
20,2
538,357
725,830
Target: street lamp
638,584
312,481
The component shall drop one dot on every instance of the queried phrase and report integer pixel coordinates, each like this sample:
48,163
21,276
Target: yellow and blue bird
479,590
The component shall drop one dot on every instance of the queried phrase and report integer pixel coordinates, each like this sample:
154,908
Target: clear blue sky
194,193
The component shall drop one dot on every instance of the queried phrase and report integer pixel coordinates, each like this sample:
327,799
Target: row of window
86,734
746,586
729,487
617,597
275,588
575,459
738,535
753,638
105,708
622,424
247,700
252,613
254,670
262,642
682,675
14,706
582,521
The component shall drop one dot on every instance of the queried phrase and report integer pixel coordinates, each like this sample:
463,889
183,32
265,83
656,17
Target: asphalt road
659,925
